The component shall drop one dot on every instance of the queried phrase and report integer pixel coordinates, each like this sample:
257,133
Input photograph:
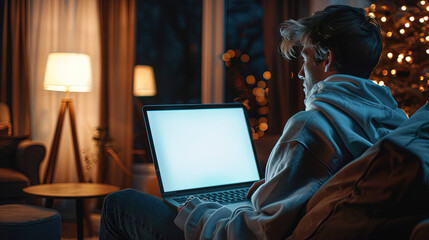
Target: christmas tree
404,63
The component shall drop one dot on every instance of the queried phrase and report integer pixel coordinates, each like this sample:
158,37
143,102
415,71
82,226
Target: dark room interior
75,75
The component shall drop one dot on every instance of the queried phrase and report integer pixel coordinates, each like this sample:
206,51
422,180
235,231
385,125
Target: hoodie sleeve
276,204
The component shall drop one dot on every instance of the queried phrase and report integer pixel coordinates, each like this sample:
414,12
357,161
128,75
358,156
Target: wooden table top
70,190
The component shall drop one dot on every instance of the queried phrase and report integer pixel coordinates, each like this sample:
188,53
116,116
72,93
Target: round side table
76,191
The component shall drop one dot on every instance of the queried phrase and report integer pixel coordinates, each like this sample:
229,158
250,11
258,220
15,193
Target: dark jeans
130,214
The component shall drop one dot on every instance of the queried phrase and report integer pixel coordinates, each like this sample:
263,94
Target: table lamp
66,72
144,81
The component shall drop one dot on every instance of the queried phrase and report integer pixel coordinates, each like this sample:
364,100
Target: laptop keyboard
222,197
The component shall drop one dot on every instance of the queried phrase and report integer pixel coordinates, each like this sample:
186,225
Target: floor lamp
66,72
143,86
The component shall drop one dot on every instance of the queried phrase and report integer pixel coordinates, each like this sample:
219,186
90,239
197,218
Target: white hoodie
344,116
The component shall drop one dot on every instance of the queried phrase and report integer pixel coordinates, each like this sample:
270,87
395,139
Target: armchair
20,159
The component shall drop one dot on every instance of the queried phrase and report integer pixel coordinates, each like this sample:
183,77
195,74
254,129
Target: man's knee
119,197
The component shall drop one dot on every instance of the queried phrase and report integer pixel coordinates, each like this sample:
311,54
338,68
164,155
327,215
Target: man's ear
329,62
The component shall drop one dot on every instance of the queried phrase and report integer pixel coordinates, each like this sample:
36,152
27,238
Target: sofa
384,194
20,160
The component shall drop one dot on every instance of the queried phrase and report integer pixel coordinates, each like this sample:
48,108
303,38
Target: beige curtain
14,78
117,54
71,26
286,95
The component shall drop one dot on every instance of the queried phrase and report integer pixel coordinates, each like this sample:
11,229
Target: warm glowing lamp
144,86
66,72
144,81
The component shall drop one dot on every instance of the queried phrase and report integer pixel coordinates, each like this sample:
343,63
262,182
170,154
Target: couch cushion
8,146
11,183
381,195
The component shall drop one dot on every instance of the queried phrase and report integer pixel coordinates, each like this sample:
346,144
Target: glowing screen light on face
197,148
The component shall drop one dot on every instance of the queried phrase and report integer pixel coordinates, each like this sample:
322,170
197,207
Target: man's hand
187,201
254,187
184,204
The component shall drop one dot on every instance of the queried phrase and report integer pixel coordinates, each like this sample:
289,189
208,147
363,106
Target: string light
261,84
263,110
250,79
263,120
385,72
408,59
258,91
406,31
231,53
263,126
400,57
260,98
267,75
226,57
244,58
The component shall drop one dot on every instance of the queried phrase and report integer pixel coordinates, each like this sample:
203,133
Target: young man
345,114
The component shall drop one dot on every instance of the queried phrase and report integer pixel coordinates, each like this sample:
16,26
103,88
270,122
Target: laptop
202,150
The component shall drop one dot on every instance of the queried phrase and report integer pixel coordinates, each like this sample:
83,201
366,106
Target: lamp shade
68,72
144,81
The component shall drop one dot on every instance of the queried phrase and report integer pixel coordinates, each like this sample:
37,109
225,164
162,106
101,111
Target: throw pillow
8,146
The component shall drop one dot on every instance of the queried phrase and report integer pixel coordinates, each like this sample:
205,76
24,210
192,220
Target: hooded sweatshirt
344,116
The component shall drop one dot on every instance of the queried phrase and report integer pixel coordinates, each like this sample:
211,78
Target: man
345,114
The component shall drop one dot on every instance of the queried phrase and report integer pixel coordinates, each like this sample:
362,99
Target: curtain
286,94
117,22
14,77
66,26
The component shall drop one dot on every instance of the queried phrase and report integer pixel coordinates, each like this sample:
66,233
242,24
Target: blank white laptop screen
199,148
